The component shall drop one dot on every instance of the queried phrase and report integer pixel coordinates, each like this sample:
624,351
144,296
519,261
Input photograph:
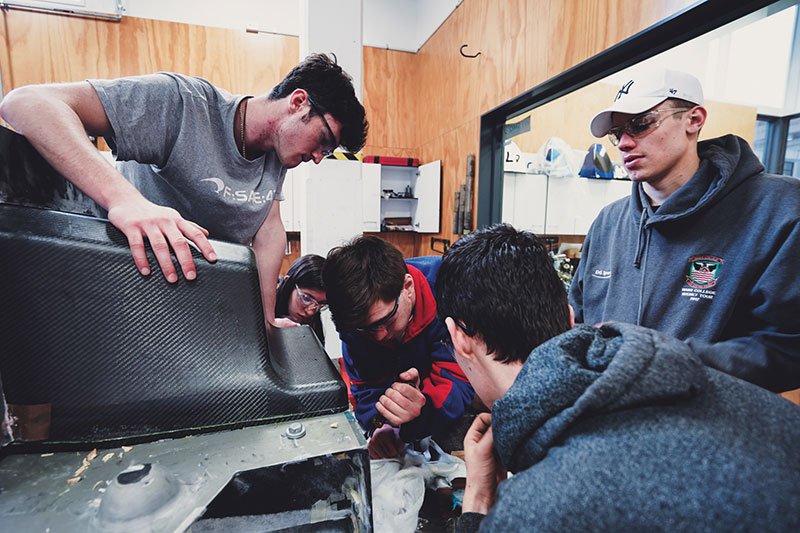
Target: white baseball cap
646,91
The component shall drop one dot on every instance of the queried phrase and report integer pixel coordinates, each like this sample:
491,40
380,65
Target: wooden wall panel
595,25
389,98
293,246
45,48
406,242
501,39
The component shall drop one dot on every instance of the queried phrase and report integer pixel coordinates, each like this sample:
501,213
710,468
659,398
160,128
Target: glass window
760,141
791,161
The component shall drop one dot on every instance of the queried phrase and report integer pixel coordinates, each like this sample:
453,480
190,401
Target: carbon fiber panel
117,356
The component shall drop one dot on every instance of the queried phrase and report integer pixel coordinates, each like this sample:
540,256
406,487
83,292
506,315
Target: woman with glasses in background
301,294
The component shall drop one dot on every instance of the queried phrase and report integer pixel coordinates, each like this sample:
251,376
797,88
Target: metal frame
67,11
775,145
683,26
777,140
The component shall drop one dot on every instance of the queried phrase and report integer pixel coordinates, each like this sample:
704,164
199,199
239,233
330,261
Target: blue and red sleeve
448,394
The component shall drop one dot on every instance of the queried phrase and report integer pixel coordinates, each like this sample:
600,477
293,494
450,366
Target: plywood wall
42,48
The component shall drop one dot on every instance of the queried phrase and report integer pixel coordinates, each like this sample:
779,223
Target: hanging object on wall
462,211
467,55
556,154
597,164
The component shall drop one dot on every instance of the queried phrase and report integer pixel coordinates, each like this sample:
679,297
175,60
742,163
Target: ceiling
395,24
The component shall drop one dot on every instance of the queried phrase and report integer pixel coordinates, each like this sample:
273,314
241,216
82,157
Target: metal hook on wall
467,55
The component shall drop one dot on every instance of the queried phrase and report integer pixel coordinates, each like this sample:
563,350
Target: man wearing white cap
706,248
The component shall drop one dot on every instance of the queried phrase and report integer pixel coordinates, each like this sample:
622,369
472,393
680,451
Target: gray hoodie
624,429
716,264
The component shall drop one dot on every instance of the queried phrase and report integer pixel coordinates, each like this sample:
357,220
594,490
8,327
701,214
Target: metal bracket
467,55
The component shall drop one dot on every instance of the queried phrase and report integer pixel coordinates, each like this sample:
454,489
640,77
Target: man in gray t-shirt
193,161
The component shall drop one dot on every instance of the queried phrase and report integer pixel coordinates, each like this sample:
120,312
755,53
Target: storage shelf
382,198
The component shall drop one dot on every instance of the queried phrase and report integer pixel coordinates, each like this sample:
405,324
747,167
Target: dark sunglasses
381,323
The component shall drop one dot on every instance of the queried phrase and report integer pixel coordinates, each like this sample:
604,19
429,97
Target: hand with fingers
165,229
403,401
386,443
484,470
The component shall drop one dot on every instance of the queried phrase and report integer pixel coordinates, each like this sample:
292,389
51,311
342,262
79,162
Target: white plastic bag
398,487
398,490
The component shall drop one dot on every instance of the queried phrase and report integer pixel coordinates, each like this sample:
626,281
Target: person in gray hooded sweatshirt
611,428
706,248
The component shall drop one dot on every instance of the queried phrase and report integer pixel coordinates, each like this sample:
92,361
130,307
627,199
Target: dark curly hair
331,89
501,284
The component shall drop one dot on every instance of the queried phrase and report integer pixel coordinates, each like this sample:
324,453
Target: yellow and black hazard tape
346,156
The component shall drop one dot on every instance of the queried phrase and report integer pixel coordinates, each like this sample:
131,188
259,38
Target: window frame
776,142
682,26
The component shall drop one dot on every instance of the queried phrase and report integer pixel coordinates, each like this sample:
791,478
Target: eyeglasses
448,342
326,145
463,327
642,125
383,322
309,301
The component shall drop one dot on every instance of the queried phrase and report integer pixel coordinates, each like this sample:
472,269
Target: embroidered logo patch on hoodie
703,271
702,276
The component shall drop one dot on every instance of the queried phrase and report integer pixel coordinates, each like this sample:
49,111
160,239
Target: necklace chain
242,120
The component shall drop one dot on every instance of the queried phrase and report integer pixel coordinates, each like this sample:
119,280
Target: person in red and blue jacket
397,353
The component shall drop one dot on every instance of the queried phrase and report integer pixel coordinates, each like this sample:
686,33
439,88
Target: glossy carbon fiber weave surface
112,355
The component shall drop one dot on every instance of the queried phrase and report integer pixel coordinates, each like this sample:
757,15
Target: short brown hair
357,275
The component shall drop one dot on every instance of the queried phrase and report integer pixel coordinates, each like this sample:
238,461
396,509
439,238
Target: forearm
53,126
477,498
269,245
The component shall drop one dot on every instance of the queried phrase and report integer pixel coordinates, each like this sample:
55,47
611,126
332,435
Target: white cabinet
371,196
557,205
402,194
573,203
525,201
333,210
293,207
287,205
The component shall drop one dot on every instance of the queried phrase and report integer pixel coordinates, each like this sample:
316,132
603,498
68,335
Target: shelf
382,198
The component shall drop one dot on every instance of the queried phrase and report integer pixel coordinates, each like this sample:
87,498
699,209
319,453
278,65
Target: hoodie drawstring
641,249
637,261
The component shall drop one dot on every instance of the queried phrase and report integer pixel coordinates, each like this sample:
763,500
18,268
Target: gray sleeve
145,113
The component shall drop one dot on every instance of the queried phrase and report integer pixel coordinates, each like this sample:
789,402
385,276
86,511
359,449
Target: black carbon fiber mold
117,356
